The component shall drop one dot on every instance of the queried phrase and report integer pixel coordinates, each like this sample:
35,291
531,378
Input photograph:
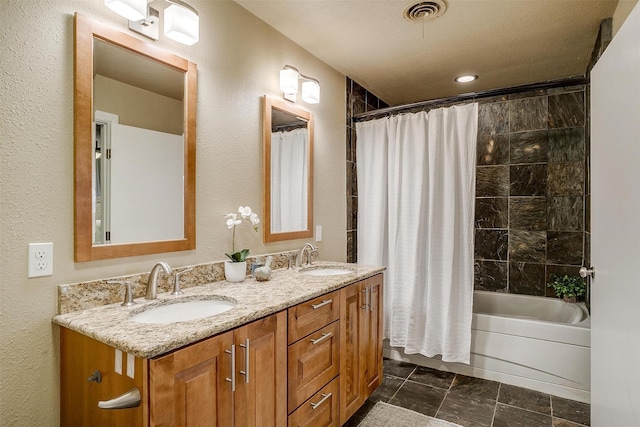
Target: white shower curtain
416,189
289,151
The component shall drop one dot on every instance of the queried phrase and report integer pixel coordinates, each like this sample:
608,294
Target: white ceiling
506,42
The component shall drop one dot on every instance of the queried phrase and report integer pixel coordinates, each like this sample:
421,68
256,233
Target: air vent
424,10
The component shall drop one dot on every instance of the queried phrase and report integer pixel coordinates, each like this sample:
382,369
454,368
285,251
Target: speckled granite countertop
111,323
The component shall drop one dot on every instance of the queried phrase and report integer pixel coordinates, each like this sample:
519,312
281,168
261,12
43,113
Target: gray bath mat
383,415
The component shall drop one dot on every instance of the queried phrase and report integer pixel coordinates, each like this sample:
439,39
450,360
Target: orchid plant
233,221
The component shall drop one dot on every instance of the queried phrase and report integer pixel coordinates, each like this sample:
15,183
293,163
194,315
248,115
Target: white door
615,239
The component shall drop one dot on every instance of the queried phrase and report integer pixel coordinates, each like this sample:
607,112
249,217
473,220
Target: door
261,373
352,307
372,336
189,387
615,207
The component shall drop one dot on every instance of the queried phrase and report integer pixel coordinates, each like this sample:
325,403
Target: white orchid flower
232,221
245,211
254,220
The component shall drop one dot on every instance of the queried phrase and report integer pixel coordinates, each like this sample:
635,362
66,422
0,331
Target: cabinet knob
96,377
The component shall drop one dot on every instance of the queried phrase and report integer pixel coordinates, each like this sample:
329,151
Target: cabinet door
261,372
189,387
352,316
372,336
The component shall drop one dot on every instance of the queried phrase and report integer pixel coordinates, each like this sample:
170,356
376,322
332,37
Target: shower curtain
289,151
416,189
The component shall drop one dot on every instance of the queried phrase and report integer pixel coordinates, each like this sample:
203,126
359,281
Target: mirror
134,146
288,171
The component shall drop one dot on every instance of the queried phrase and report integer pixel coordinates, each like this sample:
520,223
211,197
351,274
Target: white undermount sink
325,271
183,311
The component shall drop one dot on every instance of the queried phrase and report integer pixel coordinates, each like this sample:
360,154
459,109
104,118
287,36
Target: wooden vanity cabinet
194,386
313,364
191,386
360,343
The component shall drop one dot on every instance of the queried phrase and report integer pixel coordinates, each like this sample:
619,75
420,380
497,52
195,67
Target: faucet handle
289,256
128,295
176,281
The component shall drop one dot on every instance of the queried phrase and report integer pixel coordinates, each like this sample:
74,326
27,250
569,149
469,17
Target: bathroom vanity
297,350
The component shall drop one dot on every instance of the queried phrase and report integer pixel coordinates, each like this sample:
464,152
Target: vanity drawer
312,315
312,363
321,410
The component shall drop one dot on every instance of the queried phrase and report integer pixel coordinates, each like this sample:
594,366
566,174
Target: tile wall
532,215
530,189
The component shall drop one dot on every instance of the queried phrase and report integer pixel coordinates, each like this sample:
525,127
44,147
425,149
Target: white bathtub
535,342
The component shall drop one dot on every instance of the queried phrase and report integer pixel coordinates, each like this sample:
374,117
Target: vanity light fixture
181,21
289,78
133,10
466,78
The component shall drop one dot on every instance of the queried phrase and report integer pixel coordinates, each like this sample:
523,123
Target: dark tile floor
471,402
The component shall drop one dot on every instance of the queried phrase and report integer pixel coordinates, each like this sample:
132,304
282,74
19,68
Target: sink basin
183,311
325,271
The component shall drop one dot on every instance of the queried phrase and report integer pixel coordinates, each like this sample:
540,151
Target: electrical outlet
40,261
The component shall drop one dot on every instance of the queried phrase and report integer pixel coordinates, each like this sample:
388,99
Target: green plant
570,286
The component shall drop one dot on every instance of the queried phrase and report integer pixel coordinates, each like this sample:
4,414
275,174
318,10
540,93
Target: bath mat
383,415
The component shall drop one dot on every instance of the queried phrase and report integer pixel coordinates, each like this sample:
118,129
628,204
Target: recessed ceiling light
466,78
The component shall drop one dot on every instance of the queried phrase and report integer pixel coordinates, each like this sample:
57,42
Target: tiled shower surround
531,216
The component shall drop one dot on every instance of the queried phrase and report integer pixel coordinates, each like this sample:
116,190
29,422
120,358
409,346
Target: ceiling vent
421,11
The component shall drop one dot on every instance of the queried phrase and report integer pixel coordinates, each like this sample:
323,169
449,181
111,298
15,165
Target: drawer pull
324,397
322,338
232,380
246,361
130,399
322,304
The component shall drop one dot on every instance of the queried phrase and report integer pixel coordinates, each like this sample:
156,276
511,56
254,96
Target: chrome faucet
311,248
152,284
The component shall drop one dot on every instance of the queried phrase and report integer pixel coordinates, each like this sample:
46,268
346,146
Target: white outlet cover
40,260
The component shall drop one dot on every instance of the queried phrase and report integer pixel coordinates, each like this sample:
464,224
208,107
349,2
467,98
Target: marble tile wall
532,187
359,100
530,190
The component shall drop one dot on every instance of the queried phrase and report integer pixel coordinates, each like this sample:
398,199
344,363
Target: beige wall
138,107
238,60
621,13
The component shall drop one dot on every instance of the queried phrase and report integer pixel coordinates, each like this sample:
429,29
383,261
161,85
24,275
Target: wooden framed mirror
287,171
134,146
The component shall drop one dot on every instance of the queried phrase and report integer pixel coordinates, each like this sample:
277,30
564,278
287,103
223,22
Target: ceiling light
133,10
466,78
181,23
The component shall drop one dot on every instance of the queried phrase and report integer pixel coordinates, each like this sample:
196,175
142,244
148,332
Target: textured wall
238,60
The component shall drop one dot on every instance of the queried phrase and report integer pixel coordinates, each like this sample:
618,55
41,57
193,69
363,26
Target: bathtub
539,343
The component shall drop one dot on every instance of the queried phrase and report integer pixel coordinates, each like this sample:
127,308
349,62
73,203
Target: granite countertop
111,323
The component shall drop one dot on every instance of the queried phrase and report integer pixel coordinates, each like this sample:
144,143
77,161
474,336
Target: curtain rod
578,80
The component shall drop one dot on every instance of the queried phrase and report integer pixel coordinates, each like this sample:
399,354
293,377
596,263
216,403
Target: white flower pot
235,271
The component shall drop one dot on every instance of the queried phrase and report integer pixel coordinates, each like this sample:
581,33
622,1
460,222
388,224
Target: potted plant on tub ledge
235,270
568,287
